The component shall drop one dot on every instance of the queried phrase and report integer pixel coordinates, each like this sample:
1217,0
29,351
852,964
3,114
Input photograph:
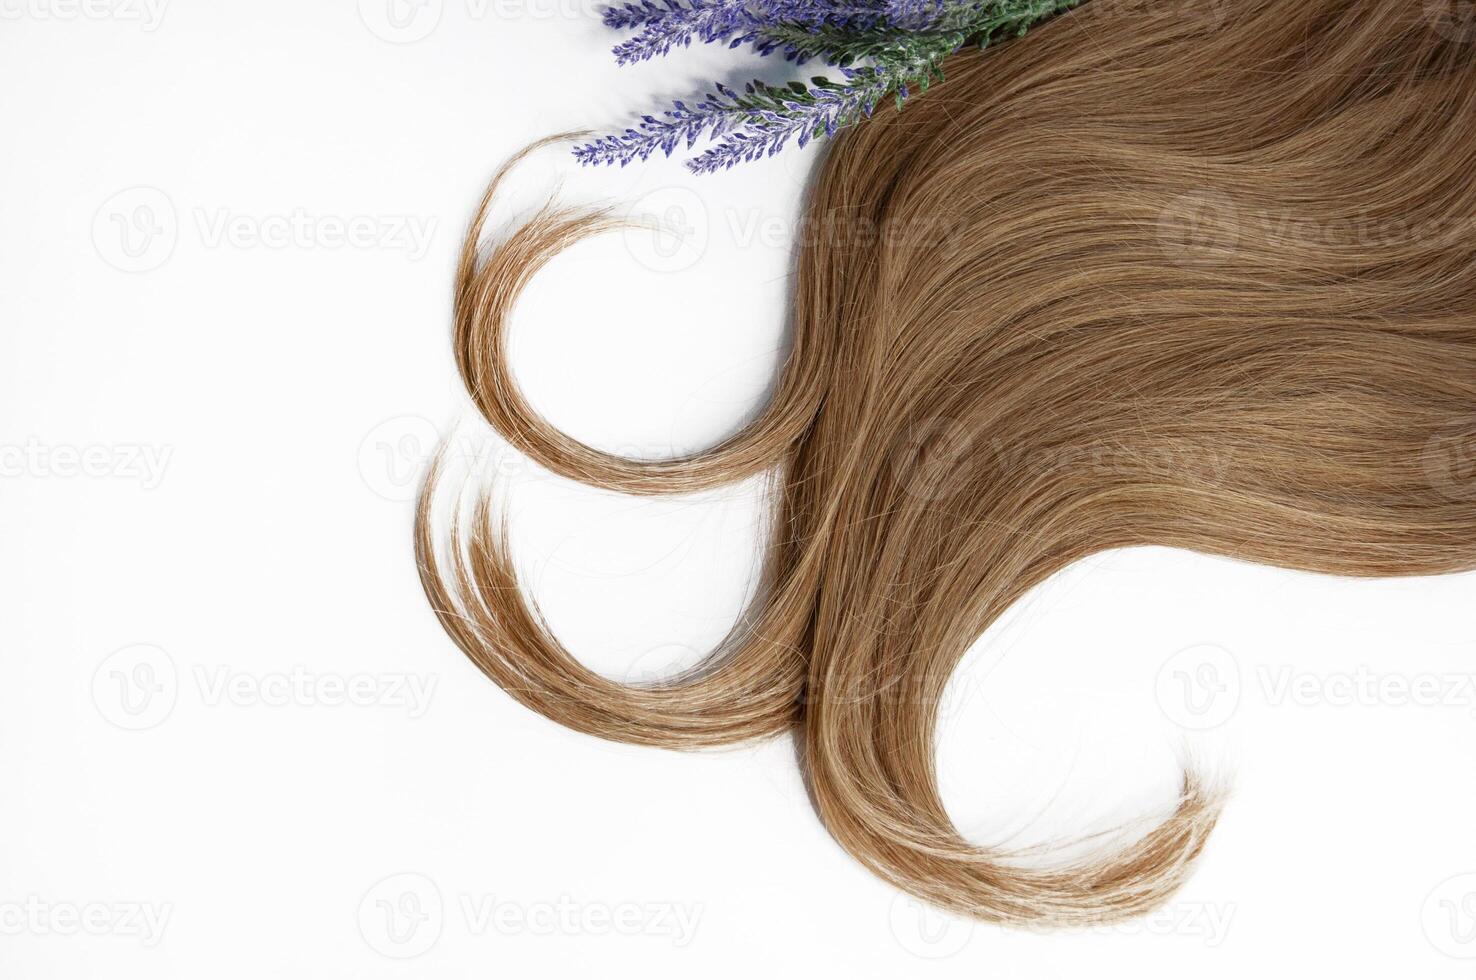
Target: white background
209,435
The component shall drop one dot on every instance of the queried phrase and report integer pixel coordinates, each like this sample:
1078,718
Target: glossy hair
1144,277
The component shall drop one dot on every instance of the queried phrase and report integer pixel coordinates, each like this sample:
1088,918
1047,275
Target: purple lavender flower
674,23
681,124
902,43
677,24
822,109
627,15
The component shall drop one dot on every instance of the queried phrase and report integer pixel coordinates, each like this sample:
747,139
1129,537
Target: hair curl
1142,278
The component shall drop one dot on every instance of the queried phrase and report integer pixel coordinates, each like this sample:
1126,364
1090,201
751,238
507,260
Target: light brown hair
1156,274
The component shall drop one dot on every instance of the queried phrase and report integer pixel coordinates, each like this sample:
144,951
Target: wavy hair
1149,276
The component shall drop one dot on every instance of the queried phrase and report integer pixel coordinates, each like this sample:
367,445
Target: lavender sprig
826,107
628,15
674,23
680,124
709,20
904,41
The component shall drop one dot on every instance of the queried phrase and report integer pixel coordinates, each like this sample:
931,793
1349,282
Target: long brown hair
1148,276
